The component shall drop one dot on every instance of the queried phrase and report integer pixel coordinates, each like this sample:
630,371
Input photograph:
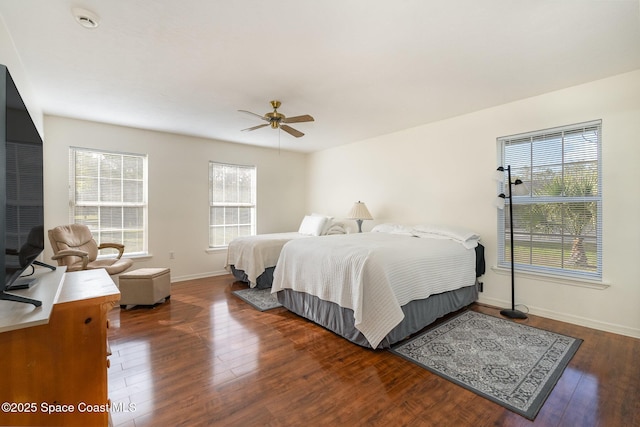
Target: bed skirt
263,281
417,314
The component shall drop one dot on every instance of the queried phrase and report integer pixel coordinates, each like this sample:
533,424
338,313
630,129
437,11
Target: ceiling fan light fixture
85,18
277,120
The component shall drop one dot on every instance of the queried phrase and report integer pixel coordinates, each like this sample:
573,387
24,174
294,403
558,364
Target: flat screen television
21,191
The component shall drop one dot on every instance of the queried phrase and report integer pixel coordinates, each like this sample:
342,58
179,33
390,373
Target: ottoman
145,286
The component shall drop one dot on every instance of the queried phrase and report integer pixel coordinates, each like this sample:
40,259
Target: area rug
260,299
512,364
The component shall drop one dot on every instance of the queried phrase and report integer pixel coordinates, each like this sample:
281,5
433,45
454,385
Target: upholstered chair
73,245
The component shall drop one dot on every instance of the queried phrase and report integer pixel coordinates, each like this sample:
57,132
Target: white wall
178,188
9,57
442,173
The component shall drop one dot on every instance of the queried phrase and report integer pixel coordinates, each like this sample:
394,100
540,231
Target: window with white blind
232,202
557,226
108,193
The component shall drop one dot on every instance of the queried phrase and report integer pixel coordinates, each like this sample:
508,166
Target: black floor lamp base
513,314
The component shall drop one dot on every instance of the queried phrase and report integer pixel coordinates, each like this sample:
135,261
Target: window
558,225
108,193
232,202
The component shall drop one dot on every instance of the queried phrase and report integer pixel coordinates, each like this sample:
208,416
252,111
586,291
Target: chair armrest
73,252
117,246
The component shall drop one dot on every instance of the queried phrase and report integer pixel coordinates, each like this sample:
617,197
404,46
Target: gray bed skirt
263,281
418,314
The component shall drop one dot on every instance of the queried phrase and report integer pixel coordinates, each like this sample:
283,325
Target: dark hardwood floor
206,357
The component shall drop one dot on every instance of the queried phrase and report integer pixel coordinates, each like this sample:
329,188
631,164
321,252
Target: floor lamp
517,188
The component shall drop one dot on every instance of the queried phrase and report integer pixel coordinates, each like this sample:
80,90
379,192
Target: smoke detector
85,18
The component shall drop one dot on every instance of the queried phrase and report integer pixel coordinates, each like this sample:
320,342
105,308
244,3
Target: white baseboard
198,276
576,320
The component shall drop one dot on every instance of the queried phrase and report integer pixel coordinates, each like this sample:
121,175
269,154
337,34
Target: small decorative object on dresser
145,286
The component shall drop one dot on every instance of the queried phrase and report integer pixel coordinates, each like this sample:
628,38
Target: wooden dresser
54,357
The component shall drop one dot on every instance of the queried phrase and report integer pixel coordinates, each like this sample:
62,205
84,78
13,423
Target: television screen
21,186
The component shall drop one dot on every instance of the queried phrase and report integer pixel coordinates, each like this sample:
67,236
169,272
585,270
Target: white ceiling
362,68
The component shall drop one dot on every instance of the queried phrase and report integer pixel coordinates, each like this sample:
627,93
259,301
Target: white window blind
558,225
232,202
108,193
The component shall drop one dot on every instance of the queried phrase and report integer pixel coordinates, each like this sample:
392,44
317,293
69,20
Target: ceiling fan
278,120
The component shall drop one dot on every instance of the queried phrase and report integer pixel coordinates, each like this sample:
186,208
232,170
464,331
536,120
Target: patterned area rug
260,299
512,364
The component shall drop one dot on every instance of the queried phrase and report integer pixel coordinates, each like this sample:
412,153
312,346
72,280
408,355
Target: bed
252,259
377,288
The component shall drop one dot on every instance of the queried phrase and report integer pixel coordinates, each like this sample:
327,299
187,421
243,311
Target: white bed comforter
374,274
254,254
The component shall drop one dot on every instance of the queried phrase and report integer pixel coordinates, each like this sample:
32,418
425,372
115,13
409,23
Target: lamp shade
520,188
359,211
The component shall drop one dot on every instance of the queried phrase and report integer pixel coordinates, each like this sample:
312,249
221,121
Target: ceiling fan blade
291,131
254,114
298,119
255,127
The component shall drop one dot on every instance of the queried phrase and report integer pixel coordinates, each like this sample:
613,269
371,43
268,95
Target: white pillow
327,224
312,225
392,229
335,228
460,234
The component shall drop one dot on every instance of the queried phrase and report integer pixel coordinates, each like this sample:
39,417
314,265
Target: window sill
583,283
216,250
139,256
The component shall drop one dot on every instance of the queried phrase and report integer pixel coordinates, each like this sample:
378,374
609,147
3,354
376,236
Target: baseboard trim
576,320
198,276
